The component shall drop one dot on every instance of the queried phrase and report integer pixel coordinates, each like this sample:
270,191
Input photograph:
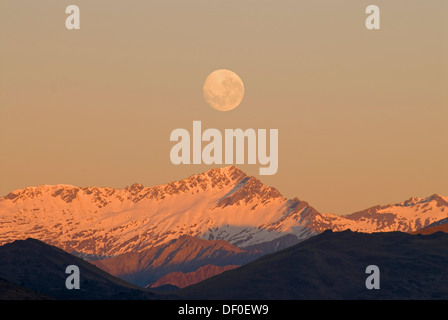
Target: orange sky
362,115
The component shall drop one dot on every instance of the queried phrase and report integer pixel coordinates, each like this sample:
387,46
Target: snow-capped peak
222,203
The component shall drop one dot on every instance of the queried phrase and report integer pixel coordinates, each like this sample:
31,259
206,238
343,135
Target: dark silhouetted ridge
332,266
39,267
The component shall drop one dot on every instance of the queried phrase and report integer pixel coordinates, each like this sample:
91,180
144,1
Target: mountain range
220,204
331,265
188,230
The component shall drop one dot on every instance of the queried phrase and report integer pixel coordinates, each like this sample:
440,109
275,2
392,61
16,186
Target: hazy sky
362,115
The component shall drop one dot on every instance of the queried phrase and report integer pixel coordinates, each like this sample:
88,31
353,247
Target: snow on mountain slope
218,204
407,216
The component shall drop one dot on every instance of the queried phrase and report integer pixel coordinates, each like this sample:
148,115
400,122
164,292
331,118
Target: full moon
223,90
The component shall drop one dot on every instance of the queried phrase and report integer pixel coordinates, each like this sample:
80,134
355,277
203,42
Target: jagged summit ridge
212,179
245,188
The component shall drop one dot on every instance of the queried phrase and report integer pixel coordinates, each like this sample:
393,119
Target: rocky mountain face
184,255
182,280
438,226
